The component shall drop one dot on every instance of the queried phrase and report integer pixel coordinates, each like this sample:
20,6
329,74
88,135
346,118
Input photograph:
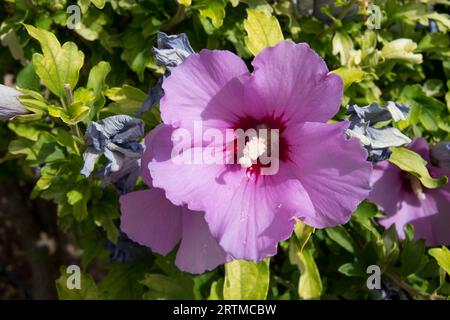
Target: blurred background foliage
51,217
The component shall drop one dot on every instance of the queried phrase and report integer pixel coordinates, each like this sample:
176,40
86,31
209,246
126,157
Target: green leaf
447,96
96,82
413,163
412,256
127,100
74,196
401,49
44,150
186,3
27,78
349,75
99,3
391,248
341,236
425,109
263,31
353,269
343,46
58,65
88,288
310,283
245,280
302,233
162,287
105,214
442,256
363,217
216,290
214,10
261,5
122,280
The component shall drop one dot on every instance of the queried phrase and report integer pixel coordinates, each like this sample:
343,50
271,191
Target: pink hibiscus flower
404,200
151,220
322,175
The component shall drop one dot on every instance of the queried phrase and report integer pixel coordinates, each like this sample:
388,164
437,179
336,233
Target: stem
176,19
341,16
410,289
284,283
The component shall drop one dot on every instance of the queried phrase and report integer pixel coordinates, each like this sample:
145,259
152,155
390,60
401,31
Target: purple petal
247,216
332,169
191,85
387,186
151,220
430,216
198,251
291,82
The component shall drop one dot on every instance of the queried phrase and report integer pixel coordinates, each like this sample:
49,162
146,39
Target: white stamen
416,186
253,149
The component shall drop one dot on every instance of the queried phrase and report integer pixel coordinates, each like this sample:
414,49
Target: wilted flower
115,137
405,200
10,105
153,221
124,250
171,51
322,175
377,140
440,154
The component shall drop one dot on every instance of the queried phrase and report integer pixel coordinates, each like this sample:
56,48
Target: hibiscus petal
181,181
248,217
192,84
198,251
151,220
422,214
332,169
291,82
386,182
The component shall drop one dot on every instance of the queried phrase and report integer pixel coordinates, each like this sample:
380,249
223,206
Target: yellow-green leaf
442,256
214,10
245,280
349,75
302,233
262,30
413,163
58,65
88,288
310,283
185,3
99,3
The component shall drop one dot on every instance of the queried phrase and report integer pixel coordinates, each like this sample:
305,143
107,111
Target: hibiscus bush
344,196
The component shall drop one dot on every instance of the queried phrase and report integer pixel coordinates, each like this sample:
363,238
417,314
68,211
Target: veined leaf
88,288
214,10
185,3
245,280
413,163
349,75
310,283
263,31
58,65
442,256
